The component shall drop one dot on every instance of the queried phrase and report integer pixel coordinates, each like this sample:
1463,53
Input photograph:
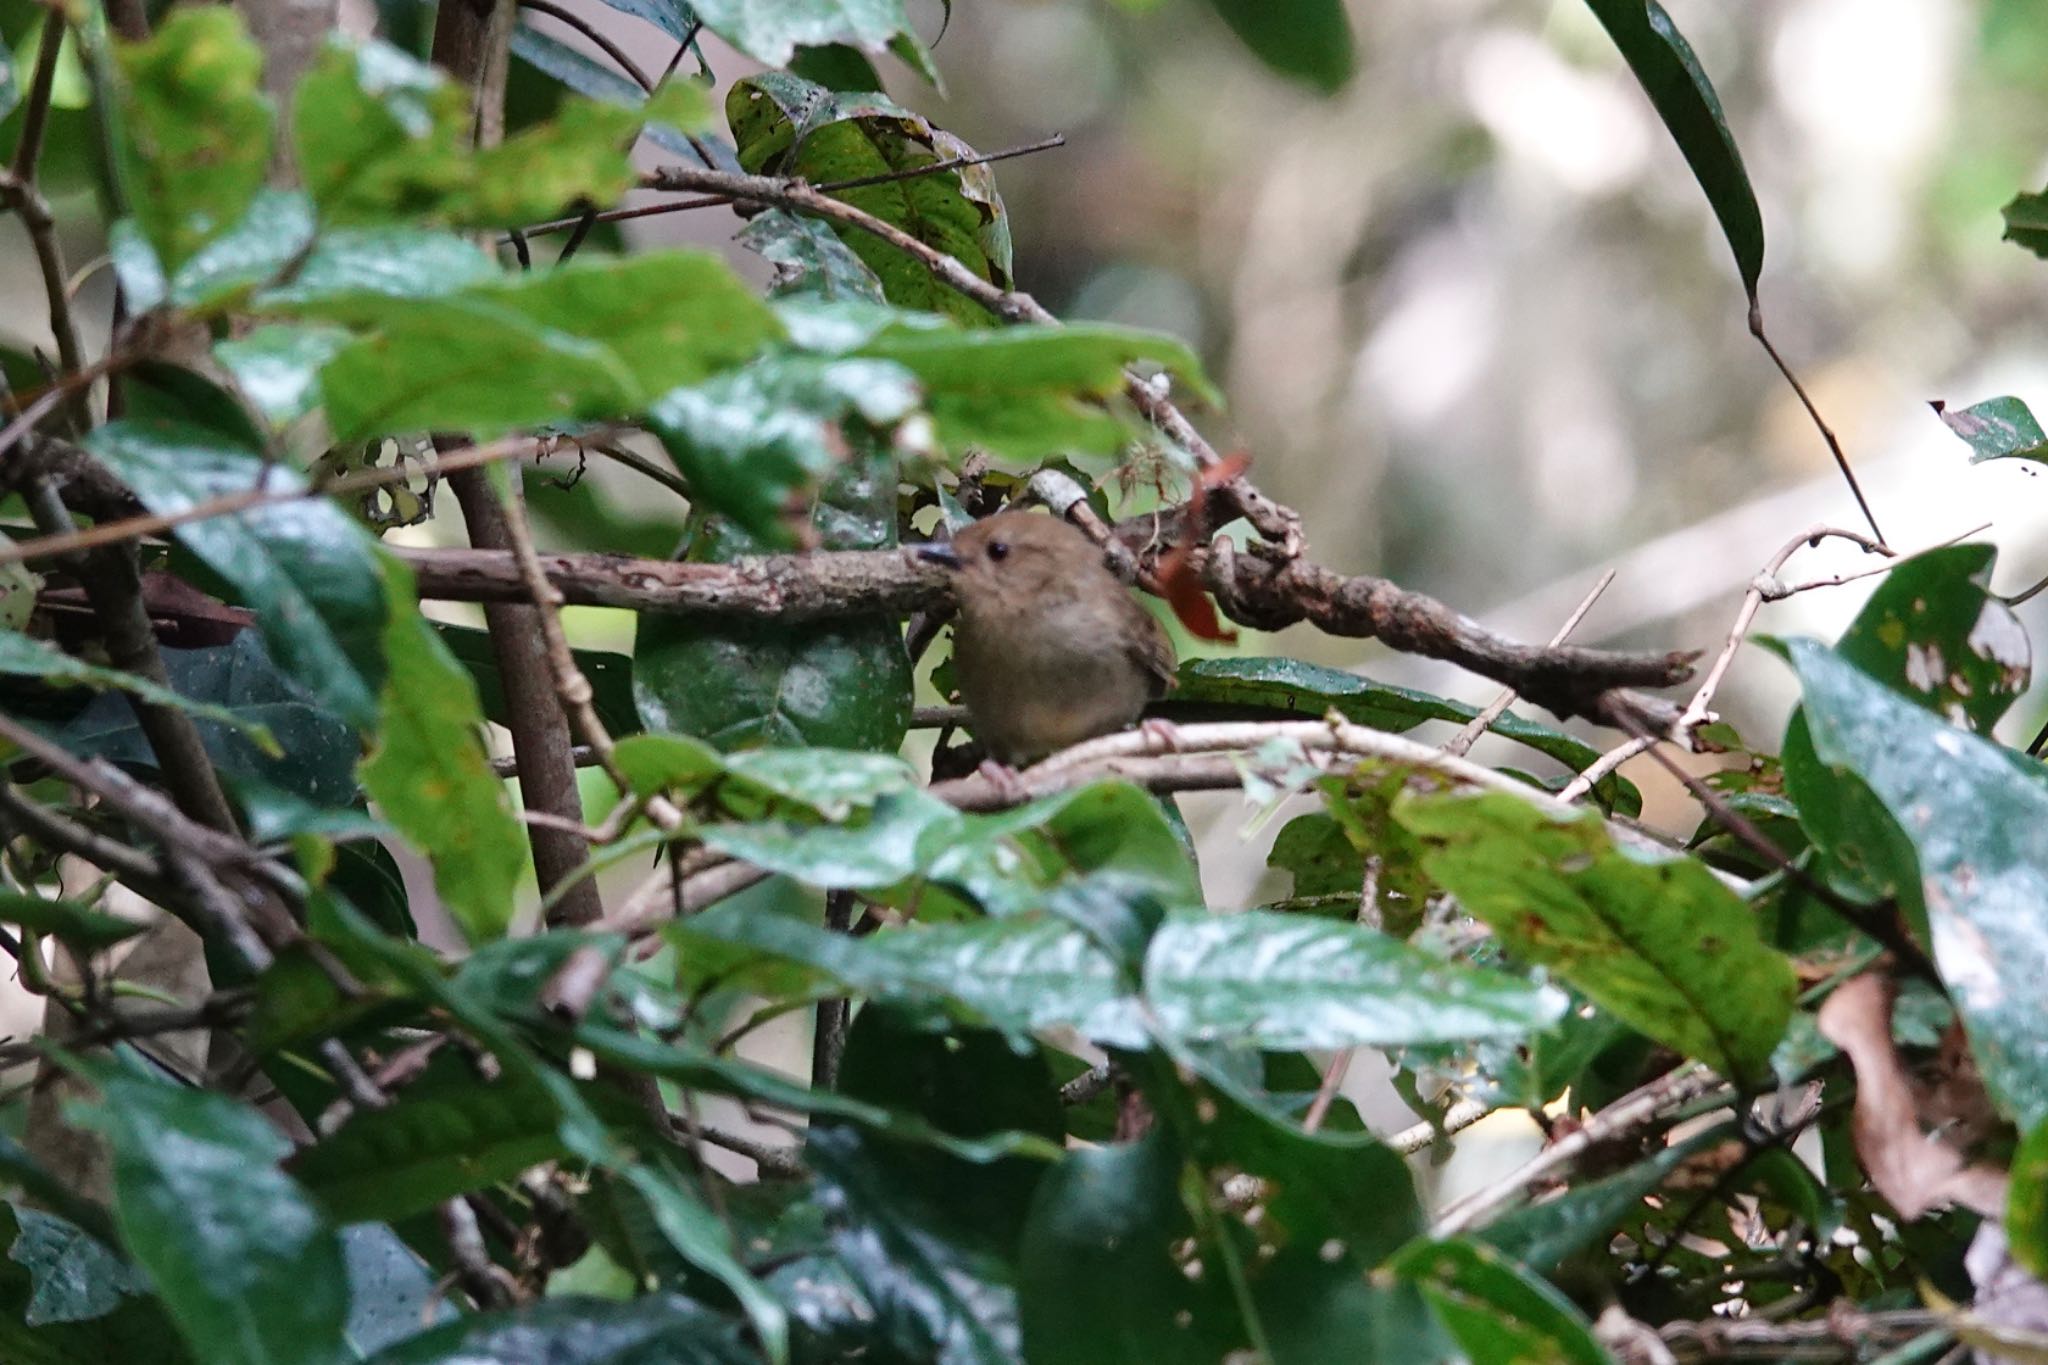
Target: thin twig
588,30
1756,329
227,504
1634,1112
713,201
1462,742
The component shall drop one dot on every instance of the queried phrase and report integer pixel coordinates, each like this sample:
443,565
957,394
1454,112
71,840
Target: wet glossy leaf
430,777
267,730
591,339
348,270
248,1268
1659,942
1309,40
842,684
82,928
948,1299
785,125
809,258
278,366
304,568
391,1291
1996,429
1497,1310
1663,62
610,675
655,1329
135,1328
1252,980
770,34
1976,816
22,656
1546,1233
382,136
1936,633
755,444
256,250
195,129
75,1277
1097,1274
1313,691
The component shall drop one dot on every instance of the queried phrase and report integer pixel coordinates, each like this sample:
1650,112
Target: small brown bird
1050,647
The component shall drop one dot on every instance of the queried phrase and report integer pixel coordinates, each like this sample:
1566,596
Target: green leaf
74,1277
1586,1214
1976,815
1996,429
672,17
1497,1310
785,125
135,1329
948,1298
1030,393
772,33
302,566
430,777
1312,690
194,132
448,1133
809,258
2026,222
755,444
1251,980
841,684
241,1257
1097,1274
701,1238
269,732
80,927
382,136
2026,1206
1936,633
1663,62
255,250
348,270
277,365
592,339
610,675
654,1329
1308,40
24,657
1657,941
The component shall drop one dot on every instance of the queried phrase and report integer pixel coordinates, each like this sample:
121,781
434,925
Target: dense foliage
1793,1067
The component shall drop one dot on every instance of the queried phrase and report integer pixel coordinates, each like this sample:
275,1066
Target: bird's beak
938,552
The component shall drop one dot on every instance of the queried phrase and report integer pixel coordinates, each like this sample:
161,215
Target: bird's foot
1007,781
1160,733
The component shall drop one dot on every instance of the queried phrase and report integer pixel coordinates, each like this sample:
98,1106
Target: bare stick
1634,1112
588,30
1462,742
1756,329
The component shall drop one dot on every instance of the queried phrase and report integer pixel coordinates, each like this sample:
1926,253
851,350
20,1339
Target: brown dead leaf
1916,1171
1176,579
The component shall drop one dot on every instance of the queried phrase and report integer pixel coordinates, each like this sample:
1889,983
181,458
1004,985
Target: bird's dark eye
998,549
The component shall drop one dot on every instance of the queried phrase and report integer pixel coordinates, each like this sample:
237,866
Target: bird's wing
1151,649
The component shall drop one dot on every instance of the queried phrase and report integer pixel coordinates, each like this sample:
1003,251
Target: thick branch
1263,593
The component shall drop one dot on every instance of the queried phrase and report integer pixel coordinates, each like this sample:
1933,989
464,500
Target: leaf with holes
785,125
1996,429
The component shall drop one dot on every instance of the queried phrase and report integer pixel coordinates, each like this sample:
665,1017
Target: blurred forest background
1472,313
